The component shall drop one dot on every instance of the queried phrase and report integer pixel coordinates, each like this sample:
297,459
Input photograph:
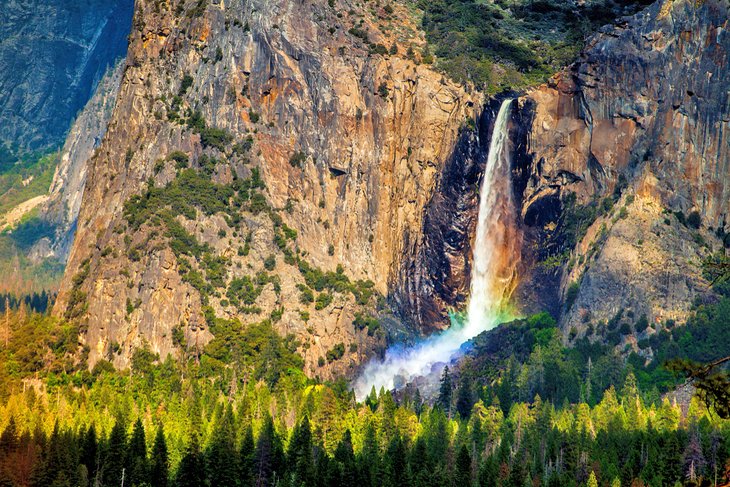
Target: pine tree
269,455
345,457
160,463
372,399
191,471
299,454
419,464
370,457
114,455
246,458
395,473
9,437
221,456
137,467
90,453
417,403
444,399
464,400
592,481
463,467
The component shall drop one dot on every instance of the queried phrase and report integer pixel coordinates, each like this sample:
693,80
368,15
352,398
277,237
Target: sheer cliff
625,176
265,160
295,163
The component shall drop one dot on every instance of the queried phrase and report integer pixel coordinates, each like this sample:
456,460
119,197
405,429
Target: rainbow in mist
494,265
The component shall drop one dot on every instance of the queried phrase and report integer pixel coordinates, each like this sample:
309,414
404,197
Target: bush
297,159
323,300
383,90
185,84
694,220
371,323
215,137
336,352
571,294
270,262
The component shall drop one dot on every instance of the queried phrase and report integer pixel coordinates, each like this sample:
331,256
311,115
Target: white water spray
495,257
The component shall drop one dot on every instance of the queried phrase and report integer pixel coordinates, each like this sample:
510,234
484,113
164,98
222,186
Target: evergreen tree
419,464
299,454
464,399
370,458
345,458
90,453
9,437
160,463
221,455
114,455
444,399
246,458
191,471
463,467
136,465
592,481
417,402
395,472
269,456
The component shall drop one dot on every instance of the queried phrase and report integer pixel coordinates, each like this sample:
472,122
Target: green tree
90,452
345,458
299,454
592,481
114,455
246,458
463,467
191,471
222,455
137,467
269,455
159,471
464,397
445,392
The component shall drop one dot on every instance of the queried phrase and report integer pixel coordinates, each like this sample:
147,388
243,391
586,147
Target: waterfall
496,245
494,265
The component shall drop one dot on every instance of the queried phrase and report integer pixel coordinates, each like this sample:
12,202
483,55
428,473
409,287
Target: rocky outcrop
639,130
52,55
349,142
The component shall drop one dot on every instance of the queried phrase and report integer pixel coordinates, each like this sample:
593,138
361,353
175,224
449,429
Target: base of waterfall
404,364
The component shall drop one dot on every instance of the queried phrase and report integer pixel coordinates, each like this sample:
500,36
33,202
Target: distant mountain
52,55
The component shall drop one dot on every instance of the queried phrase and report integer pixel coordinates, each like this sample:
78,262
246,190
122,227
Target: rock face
52,55
64,199
327,153
349,142
643,120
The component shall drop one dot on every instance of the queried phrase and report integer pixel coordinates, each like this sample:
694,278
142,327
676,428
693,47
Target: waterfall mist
494,262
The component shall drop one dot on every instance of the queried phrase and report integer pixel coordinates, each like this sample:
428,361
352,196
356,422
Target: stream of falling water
494,263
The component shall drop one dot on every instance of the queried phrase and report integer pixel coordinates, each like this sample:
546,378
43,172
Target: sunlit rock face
52,55
373,129
644,115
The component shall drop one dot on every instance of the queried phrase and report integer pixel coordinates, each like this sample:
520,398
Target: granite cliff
625,176
295,163
324,145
